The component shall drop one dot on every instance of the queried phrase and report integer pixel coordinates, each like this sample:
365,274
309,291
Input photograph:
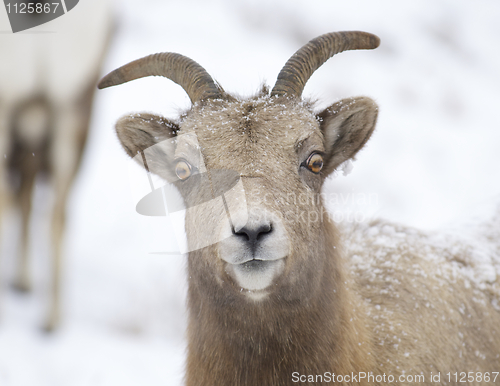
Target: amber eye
183,170
315,163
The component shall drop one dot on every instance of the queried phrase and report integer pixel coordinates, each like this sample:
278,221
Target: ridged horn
192,77
299,68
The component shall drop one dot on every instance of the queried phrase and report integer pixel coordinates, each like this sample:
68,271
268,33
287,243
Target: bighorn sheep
274,298
47,87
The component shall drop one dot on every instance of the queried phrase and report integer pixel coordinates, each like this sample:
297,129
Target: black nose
253,234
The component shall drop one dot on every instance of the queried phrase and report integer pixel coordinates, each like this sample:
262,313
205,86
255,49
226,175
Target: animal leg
4,191
22,280
65,154
58,225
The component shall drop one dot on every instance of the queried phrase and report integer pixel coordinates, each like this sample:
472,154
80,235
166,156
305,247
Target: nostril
243,233
264,230
253,234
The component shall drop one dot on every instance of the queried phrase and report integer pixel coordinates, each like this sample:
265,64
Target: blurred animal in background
277,294
47,81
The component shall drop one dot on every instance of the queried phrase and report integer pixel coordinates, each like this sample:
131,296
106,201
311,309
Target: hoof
49,328
51,324
21,287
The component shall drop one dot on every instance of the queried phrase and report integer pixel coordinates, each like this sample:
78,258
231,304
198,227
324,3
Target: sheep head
251,171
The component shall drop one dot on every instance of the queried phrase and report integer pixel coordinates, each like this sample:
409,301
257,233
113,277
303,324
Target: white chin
256,275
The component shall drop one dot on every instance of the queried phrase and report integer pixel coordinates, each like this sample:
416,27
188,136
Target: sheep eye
183,170
315,163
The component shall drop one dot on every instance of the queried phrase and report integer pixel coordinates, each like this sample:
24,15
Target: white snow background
433,163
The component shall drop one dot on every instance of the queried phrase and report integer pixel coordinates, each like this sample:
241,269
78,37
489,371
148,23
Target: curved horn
192,77
299,68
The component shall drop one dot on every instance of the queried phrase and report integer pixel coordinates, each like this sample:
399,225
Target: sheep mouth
255,264
256,274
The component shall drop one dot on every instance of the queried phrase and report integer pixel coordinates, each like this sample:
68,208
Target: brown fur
54,152
387,308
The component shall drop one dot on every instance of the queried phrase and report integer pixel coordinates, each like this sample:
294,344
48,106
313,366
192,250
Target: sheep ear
149,139
346,126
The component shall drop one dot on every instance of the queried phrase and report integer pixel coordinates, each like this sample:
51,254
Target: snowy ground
432,163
